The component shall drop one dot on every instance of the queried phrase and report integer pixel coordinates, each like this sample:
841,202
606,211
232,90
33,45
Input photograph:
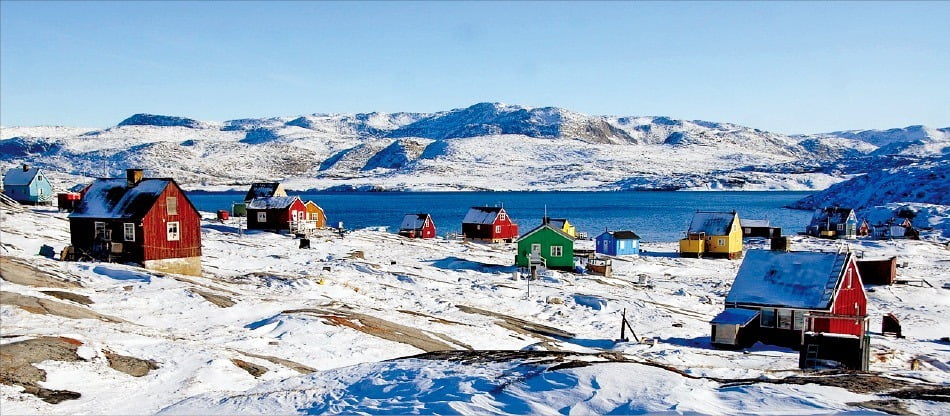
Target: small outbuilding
28,186
417,226
147,221
490,224
759,228
618,243
879,271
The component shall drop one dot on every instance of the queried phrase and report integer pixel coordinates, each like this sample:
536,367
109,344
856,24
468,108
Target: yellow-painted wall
731,243
692,246
569,229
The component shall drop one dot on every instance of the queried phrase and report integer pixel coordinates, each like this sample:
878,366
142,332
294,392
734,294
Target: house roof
735,316
482,215
558,221
834,215
805,280
113,198
711,223
548,226
262,190
19,177
754,223
413,221
274,202
622,235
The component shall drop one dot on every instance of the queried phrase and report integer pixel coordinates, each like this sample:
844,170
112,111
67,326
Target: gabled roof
413,221
558,222
274,202
482,215
548,226
308,203
711,223
113,198
834,215
621,235
754,223
806,280
19,177
263,190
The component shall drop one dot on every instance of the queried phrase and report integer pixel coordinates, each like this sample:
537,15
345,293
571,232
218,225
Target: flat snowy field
353,325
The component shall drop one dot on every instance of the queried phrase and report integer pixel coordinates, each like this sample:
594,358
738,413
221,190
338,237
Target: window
722,242
798,320
840,227
497,229
848,277
129,231
171,205
100,229
621,244
768,318
502,216
536,248
557,251
785,319
173,234
262,216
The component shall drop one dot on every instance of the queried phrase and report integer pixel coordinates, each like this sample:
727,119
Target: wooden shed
618,243
878,272
148,221
417,226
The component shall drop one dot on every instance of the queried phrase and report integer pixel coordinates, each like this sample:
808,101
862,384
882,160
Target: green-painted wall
547,238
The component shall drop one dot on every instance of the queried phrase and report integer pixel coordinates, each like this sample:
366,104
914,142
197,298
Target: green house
546,245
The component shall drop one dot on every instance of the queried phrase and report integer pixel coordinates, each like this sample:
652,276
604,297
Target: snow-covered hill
484,146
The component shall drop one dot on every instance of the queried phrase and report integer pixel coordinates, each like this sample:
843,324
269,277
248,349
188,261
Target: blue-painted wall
609,245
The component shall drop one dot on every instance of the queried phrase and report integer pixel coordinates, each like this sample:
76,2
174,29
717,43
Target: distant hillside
926,183
490,146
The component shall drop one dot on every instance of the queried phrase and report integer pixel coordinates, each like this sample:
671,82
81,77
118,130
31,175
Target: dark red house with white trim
778,296
491,224
417,226
148,221
275,213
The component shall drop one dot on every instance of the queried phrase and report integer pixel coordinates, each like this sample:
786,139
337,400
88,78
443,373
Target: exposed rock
135,367
21,272
252,369
219,300
83,299
17,359
48,307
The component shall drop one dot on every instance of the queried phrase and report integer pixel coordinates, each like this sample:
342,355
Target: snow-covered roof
274,202
802,279
711,223
621,235
113,198
482,215
19,177
754,223
834,215
735,316
413,221
263,190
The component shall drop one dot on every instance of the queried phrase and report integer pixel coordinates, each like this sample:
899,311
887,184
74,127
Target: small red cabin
148,221
275,213
417,226
778,296
490,224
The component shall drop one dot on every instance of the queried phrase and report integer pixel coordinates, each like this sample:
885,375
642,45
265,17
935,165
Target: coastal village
734,298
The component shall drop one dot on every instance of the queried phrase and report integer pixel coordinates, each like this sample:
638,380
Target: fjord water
654,216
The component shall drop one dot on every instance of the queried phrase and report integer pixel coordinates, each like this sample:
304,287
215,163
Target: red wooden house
148,221
417,226
490,224
275,213
779,296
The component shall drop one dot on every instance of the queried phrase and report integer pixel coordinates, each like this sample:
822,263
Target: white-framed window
722,241
798,320
497,229
767,318
622,244
261,216
785,318
557,251
128,231
502,216
174,234
100,229
536,248
171,205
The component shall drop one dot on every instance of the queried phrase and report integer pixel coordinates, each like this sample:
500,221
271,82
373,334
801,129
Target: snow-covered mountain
485,146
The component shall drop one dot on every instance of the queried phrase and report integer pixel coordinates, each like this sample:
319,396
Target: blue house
833,222
28,185
618,243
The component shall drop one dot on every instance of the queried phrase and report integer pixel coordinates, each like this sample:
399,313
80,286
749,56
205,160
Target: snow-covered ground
339,328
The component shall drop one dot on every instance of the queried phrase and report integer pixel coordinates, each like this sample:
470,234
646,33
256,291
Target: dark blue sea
654,216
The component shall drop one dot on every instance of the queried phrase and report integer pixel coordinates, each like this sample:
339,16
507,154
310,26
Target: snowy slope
484,146
272,329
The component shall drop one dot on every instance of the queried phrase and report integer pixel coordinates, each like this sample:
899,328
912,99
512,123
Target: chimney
545,220
133,176
26,168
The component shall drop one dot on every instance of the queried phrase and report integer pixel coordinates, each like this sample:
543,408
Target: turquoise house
618,243
28,185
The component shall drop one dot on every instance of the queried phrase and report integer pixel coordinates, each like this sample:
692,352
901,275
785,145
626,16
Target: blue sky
797,67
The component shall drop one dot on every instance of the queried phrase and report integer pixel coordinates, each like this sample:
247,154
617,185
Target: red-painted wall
154,233
508,229
850,306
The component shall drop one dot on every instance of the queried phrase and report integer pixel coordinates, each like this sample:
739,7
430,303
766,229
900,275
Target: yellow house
564,225
713,234
314,212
